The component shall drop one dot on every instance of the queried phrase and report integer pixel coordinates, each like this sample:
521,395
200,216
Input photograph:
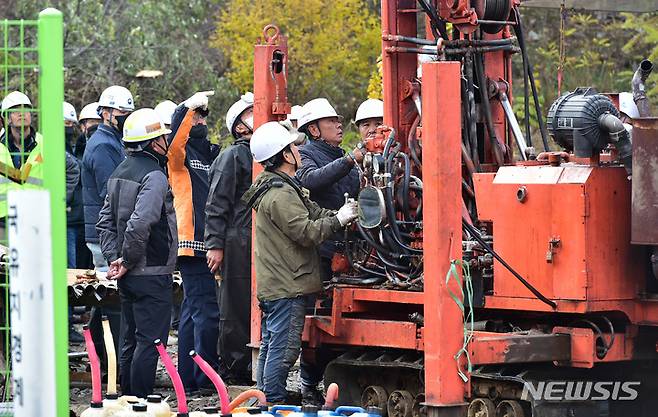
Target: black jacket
74,213
327,174
230,178
138,222
104,152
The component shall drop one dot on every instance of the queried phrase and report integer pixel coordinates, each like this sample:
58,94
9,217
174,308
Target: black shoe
75,337
312,396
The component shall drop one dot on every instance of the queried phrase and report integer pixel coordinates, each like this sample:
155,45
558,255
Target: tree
333,46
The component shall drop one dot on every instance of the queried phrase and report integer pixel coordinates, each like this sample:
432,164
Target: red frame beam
443,333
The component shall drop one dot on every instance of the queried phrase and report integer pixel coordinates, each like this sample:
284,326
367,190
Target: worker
103,153
20,149
228,239
165,110
369,116
137,231
289,226
190,156
88,123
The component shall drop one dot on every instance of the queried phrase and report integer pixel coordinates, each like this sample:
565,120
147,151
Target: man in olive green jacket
289,227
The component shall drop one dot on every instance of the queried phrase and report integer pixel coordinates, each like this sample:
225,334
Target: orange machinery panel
566,229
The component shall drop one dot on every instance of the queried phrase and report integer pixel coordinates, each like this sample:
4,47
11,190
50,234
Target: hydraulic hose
413,142
405,187
216,381
359,267
111,358
244,396
437,25
486,105
476,235
531,76
471,114
376,245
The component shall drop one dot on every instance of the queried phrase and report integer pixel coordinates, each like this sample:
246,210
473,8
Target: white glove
347,213
198,100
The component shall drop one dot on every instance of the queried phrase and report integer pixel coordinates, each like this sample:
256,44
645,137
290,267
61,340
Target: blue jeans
100,263
71,244
198,328
281,330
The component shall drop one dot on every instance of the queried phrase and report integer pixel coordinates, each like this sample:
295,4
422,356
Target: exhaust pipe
619,137
639,89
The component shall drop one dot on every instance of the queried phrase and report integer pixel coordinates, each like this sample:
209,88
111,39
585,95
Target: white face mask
249,121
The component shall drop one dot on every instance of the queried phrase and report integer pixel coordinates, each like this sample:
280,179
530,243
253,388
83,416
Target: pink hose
332,395
95,363
244,396
175,377
216,380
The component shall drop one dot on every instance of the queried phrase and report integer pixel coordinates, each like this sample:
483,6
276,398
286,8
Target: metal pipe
514,125
639,88
453,51
619,137
450,43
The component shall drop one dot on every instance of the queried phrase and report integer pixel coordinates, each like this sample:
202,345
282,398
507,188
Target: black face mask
69,132
90,131
120,121
199,132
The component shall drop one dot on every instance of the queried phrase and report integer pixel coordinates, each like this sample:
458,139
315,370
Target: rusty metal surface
526,347
644,229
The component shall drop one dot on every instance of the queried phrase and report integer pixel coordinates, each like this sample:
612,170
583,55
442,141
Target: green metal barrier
32,62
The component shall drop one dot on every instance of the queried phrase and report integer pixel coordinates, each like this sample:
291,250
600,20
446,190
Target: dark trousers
145,316
199,321
113,315
281,331
234,300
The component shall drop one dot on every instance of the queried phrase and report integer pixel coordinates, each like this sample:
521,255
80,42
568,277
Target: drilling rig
488,275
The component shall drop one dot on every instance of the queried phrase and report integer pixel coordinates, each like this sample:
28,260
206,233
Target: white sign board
31,303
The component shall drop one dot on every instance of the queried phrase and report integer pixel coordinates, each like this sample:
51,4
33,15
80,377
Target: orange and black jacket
189,162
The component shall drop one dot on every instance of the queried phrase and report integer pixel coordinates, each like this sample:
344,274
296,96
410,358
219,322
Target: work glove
347,213
198,100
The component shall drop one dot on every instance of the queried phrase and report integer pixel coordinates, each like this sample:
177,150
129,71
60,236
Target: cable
437,25
476,235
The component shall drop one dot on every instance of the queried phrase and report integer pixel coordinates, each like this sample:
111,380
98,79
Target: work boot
75,337
312,396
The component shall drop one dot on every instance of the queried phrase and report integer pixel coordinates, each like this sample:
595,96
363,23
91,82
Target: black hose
411,140
471,116
376,245
359,267
526,99
405,187
531,76
486,105
476,235
437,25
392,265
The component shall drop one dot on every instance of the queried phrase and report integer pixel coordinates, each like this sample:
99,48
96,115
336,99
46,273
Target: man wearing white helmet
228,239
137,230
328,173
165,110
88,122
190,156
628,109
20,148
289,226
103,153
369,116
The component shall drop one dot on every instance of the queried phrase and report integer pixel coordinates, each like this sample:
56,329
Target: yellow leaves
332,45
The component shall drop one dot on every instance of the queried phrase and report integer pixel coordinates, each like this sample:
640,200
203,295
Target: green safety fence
32,156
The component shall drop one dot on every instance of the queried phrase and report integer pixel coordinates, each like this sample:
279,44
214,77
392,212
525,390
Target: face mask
90,131
69,132
199,132
120,121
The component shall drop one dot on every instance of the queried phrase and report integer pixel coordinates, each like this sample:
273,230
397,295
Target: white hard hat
268,140
233,114
15,98
627,105
166,109
117,97
89,112
69,113
144,124
370,109
316,109
295,112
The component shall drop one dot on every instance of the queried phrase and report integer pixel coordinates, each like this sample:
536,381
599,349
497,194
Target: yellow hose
111,358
